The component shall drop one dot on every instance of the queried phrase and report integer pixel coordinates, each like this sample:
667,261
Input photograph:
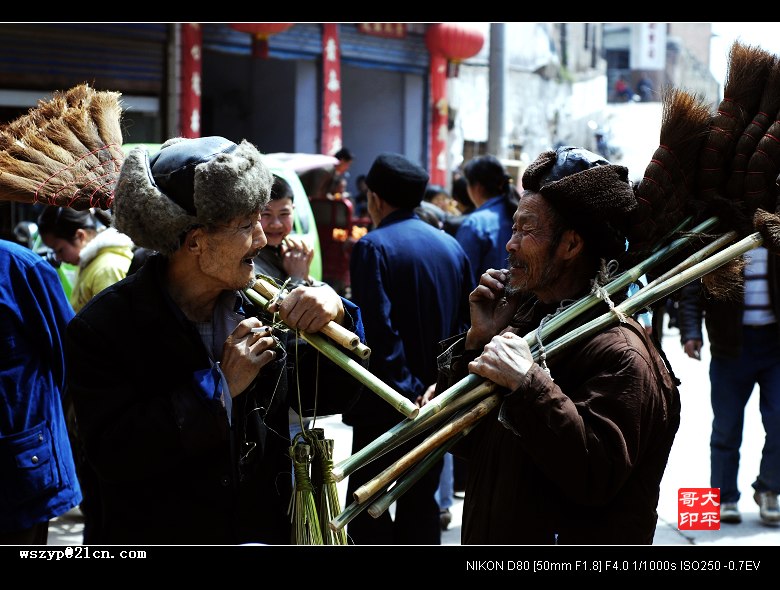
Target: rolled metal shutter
128,58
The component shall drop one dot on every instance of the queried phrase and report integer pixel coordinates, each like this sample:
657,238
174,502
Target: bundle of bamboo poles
473,398
260,293
692,176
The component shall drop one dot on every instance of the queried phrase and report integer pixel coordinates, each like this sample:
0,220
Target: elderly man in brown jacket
576,451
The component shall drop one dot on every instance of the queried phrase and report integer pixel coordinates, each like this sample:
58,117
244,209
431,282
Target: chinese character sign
698,509
439,132
648,46
191,67
331,139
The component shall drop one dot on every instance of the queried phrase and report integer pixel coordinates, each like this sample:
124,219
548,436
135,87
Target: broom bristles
65,152
739,186
665,192
749,68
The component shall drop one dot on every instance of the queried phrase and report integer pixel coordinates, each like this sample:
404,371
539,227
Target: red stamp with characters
698,509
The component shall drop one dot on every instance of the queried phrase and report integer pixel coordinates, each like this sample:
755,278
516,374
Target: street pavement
688,466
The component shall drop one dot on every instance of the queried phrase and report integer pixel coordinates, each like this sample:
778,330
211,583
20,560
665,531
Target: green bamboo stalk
384,500
354,368
268,289
697,256
624,280
649,295
392,472
472,387
350,512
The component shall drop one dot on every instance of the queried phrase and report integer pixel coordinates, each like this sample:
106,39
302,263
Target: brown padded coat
576,456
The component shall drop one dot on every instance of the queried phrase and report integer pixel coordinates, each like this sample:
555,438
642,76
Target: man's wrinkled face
533,265
230,250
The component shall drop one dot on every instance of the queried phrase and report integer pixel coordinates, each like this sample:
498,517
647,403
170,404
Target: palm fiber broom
65,152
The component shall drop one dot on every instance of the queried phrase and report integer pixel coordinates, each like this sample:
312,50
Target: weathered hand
310,308
505,360
429,394
490,311
245,352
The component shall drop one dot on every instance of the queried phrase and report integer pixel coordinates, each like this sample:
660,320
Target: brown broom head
763,169
665,194
726,283
66,151
747,143
768,225
748,72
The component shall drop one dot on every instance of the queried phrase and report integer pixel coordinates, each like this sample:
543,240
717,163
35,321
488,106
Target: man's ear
192,241
378,202
571,244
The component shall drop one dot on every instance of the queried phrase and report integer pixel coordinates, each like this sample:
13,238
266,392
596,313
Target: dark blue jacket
170,468
411,282
484,235
38,476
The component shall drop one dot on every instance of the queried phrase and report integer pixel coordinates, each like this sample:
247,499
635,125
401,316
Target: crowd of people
182,387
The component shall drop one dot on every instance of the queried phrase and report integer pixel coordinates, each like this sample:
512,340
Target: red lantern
454,41
260,33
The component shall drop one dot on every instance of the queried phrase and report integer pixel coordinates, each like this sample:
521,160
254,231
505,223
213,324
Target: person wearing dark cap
180,383
410,280
576,450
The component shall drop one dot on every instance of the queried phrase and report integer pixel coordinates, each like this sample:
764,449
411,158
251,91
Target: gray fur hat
189,182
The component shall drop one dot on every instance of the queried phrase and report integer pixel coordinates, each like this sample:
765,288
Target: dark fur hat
397,180
189,182
593,196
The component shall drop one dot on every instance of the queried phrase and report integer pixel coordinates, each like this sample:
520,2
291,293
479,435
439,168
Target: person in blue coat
411,282
37,473
485,232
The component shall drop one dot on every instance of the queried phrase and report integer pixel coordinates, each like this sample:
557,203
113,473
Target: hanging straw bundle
325,489
65,152
305,518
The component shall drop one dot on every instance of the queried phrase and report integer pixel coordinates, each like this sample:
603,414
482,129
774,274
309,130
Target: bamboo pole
386,477
333,330
698,256
350,512
384,500
649,295
472,385
354,368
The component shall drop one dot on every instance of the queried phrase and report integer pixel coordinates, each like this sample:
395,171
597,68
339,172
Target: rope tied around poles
604,277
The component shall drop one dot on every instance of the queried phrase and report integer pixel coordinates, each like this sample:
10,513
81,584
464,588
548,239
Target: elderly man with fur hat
575,452
411,281
181,386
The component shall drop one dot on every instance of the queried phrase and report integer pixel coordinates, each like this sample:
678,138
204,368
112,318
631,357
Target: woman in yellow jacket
103,255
